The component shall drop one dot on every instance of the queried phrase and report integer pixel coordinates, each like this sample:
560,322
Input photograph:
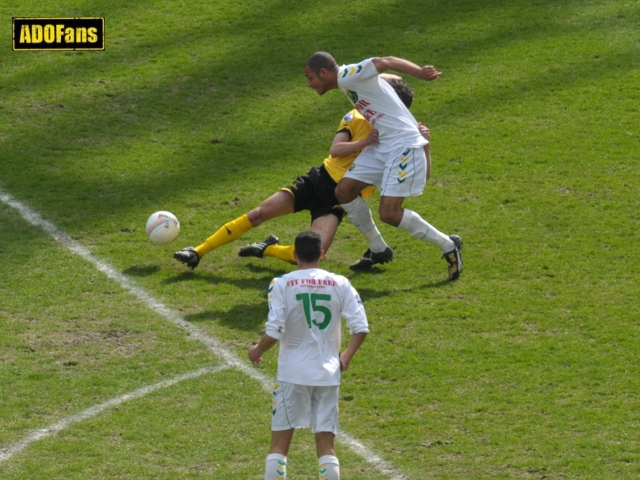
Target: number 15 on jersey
310,303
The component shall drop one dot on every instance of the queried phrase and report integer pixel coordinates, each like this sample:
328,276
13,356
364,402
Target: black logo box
58,33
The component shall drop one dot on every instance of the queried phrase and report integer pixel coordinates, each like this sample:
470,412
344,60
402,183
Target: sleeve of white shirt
353,311
349,76
276,320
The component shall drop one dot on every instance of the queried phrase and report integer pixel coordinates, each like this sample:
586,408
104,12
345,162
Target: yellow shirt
358,129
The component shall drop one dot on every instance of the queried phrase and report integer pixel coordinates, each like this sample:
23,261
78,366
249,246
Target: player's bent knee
347,191
255,217
344,195
391,217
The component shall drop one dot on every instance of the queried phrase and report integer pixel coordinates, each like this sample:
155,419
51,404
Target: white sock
360,215
328,468
419,228
276,467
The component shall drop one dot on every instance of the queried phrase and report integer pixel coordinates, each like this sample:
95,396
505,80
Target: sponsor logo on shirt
312,281
352,95
369,115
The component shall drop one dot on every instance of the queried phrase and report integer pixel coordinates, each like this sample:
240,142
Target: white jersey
305,311
379,104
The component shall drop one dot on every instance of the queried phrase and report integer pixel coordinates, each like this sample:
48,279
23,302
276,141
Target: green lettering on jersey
309,303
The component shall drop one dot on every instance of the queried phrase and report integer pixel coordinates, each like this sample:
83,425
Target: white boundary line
229,358
7,452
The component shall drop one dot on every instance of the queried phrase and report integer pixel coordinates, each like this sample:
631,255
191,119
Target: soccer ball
162,228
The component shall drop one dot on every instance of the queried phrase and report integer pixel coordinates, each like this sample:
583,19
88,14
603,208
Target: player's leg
291,409
405,175
276,463
326,226
326,215
324,422
314,192
281,441
349,189
348,194
328,464
278,204
305,192
367,170
391,212
417,227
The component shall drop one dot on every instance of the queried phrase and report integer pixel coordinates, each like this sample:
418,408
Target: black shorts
315,192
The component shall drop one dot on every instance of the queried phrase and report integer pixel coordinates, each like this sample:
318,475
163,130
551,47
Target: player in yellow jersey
314,191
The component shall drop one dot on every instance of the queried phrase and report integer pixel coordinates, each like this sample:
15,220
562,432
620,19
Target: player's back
306,306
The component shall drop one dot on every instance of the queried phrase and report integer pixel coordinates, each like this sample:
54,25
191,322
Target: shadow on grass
280,268
250,317
138,271
253,282
367,294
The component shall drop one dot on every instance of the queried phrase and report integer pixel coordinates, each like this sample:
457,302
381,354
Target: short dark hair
405,92
308,246
320,60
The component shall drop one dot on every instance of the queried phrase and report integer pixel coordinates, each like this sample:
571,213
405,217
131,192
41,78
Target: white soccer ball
163,228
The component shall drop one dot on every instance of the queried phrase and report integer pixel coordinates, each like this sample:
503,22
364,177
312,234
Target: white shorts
400,173
301,406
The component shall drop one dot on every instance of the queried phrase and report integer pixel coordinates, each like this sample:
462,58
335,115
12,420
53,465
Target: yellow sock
283,252
227,234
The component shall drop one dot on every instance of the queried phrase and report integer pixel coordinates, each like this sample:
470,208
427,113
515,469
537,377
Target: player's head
321,70
308,247
403,91
320,60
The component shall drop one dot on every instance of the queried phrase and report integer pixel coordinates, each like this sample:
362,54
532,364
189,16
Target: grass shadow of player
371,293
247,317
249,282
277,269
267,273
141,271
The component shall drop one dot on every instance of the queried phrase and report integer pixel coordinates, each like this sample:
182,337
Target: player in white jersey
397,163
305,311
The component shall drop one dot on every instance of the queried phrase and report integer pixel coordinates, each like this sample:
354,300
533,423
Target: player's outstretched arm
401,65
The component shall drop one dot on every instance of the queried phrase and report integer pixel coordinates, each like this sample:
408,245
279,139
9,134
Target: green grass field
527,367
